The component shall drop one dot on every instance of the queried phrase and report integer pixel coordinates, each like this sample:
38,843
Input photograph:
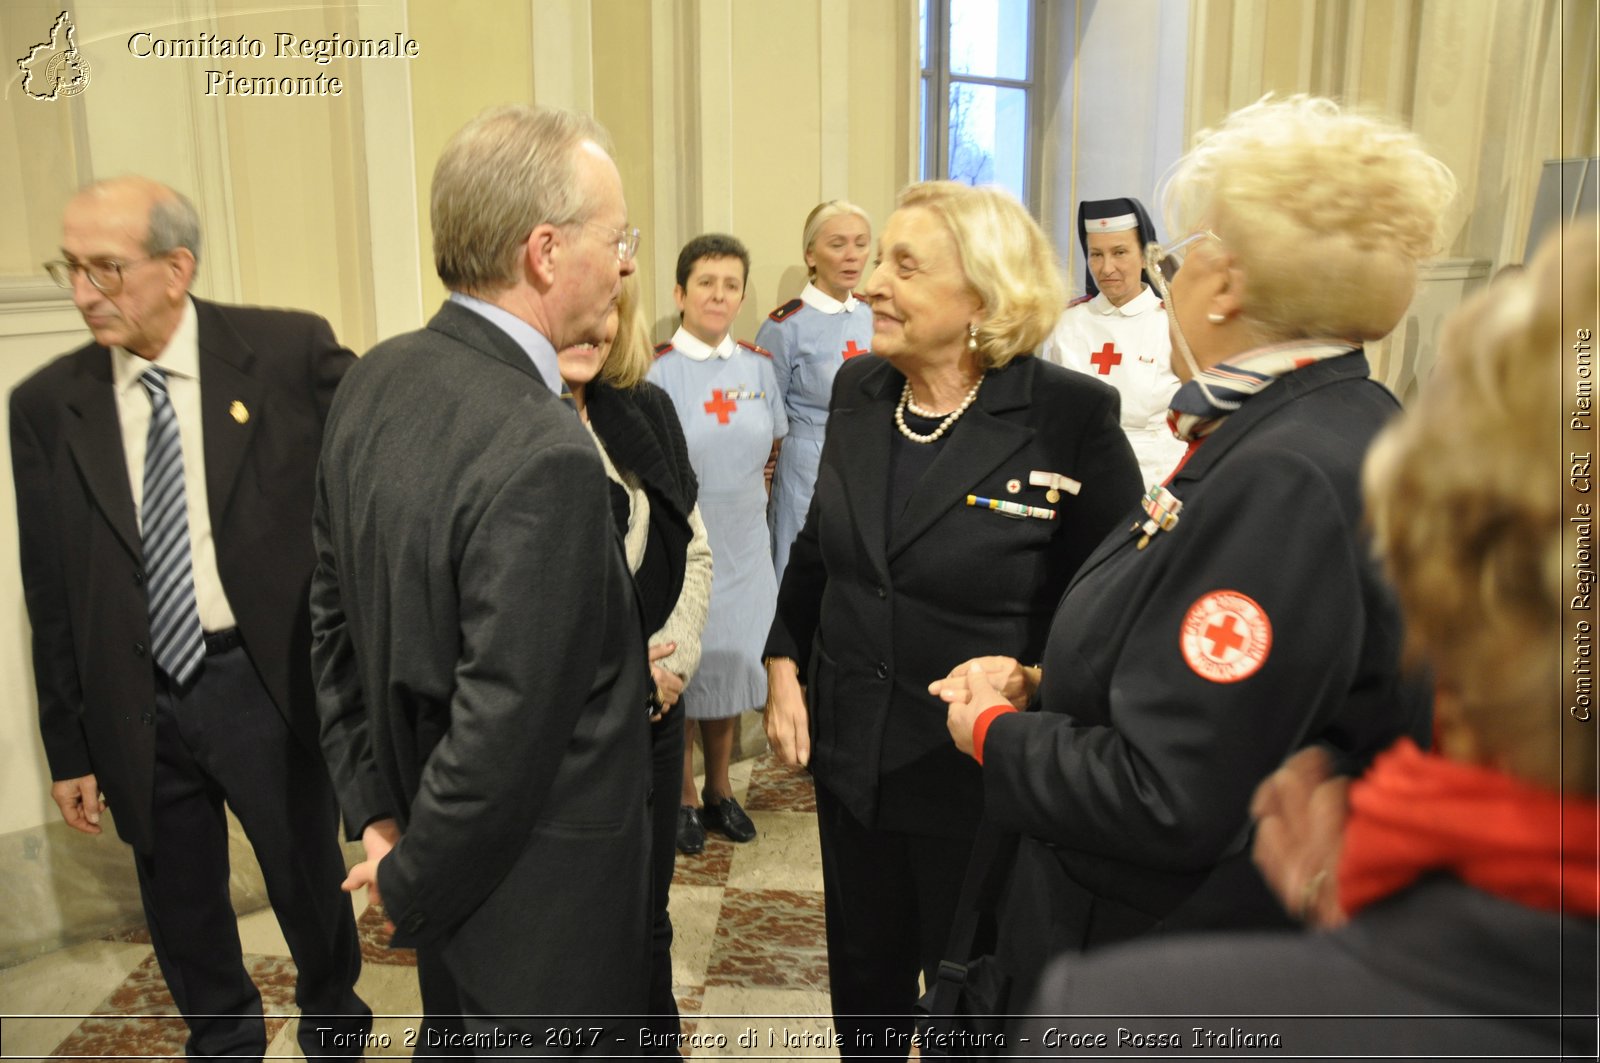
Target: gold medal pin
1056,482
238,412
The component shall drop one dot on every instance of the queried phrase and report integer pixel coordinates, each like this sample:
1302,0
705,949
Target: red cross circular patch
1225,637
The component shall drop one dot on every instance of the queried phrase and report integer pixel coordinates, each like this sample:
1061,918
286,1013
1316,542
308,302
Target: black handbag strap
992,851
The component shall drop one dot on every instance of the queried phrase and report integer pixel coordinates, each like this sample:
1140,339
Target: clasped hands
976,685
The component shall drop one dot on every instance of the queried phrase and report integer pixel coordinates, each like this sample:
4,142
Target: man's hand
1300,811
1012,680
377,839
788,724
80,802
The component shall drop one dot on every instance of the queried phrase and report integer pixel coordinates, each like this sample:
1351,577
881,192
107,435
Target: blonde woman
654,496
962,483
809,338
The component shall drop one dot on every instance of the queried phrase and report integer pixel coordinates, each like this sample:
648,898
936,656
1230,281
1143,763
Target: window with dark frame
979,67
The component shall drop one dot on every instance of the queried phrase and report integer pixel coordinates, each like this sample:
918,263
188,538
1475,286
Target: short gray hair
174,223
504,173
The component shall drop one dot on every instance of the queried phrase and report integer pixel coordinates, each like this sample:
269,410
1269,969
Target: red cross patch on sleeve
1225,637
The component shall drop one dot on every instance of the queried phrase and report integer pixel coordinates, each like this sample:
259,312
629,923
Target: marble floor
748,959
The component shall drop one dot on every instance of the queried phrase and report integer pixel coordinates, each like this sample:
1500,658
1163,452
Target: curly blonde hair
1328,212
1465,512
1006,258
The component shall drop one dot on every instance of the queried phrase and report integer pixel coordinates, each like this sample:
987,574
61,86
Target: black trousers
890,897
666,784
220,741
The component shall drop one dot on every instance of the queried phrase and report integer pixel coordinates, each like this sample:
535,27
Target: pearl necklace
944,425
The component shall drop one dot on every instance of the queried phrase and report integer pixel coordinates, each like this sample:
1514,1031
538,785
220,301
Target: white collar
818,299
180,357
1143,303
699,350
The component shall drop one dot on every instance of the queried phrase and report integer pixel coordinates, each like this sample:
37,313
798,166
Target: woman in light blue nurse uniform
810,338
726,396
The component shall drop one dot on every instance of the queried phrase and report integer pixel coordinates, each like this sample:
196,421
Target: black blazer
872,620
81,552
481,670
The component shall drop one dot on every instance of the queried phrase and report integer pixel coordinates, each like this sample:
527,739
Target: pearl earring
1216,319
972,337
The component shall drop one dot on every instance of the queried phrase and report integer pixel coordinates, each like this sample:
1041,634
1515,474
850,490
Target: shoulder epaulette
663,348
762,351
1079,299
786,309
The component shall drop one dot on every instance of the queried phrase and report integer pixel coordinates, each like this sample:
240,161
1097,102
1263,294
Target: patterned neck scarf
1199,407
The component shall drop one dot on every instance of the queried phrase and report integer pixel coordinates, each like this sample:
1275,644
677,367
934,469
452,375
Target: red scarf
1416,812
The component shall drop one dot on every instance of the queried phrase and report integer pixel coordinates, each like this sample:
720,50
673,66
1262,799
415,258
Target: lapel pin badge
1161,507
1013,486
238,412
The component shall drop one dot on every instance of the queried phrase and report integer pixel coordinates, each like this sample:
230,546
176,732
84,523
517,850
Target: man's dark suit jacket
482,673
82,560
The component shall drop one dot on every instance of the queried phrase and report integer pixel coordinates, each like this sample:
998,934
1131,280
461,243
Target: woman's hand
978,697
1300,811
1015,682
788,724
772,464
669,684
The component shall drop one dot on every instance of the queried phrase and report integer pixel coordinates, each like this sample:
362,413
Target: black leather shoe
726,817
691,832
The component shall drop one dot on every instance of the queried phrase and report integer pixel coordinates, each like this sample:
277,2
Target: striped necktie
177,642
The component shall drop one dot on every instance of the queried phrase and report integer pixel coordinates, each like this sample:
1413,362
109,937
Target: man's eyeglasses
104,273
627,240
1163,263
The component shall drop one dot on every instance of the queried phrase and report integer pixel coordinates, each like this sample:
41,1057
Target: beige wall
1494,87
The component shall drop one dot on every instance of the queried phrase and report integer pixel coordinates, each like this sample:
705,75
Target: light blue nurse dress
727,399
810,338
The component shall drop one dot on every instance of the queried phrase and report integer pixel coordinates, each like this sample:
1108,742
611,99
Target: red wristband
980,726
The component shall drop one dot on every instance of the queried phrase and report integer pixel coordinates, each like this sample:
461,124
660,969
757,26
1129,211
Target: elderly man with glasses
164,476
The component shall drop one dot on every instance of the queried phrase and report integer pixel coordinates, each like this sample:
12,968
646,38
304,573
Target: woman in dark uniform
1240,617
961,484
1461,884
